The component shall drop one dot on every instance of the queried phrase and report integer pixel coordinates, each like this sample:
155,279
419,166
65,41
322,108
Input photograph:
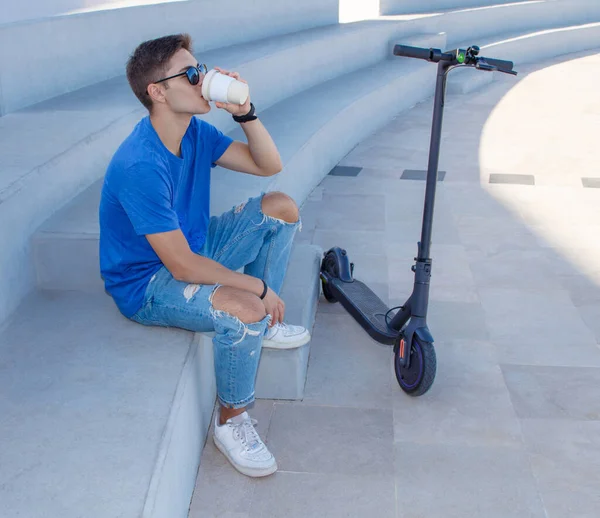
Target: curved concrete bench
392,7
313,131
105,417
87,125
497,19
68,52
522,31
70,139
36,10
87,396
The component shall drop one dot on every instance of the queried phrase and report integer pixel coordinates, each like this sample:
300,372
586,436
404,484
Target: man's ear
156,93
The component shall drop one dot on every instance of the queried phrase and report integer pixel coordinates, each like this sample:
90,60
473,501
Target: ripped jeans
243,237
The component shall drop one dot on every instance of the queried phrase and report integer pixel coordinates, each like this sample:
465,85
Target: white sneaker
239,442
285,336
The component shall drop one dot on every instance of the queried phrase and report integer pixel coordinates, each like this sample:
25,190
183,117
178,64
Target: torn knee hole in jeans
242,327
211,296
219,313
273,219
190,290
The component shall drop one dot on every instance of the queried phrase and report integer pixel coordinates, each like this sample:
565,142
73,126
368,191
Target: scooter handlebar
500,64
457,56
413,52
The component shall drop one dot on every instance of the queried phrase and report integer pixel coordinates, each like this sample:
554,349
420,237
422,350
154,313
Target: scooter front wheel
418,378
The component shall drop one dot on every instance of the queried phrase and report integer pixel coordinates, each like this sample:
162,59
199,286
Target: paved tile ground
511,426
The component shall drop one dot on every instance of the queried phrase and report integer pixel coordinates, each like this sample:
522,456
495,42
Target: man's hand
274,306
259,156
234,109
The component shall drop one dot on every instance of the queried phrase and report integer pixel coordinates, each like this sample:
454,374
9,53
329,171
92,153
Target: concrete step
313,131
70,139
282,374
67,42
109,416
519,17
392,7
100,416
75,52
524,48
17,12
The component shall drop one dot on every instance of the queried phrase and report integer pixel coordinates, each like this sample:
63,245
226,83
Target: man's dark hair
149,63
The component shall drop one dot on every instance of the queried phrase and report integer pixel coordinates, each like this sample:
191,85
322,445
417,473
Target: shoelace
276,327
245,430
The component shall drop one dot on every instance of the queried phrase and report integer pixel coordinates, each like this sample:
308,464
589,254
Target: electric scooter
414,353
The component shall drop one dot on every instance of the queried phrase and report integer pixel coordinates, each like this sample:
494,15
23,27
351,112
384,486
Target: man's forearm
262,148
202,270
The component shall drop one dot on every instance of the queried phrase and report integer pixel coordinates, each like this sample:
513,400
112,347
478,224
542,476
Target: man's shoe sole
249,472
273,344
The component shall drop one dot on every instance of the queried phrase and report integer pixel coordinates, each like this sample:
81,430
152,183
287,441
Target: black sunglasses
193,74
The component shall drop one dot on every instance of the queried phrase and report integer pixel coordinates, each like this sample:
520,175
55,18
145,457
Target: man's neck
170,129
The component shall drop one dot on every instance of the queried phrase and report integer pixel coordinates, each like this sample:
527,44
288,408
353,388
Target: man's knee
279,205
242,304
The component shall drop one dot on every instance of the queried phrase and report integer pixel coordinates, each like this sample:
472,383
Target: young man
166,262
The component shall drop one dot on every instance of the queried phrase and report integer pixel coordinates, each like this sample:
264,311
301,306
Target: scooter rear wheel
418,378
330,266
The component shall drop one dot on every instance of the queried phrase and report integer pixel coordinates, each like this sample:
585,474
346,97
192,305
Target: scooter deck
366,307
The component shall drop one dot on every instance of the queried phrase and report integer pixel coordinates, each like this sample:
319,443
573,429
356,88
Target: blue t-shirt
147,189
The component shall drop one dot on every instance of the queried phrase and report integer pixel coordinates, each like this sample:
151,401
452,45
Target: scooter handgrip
412,52
500,64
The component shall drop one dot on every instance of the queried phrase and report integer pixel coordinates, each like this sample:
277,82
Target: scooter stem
434,157
416,305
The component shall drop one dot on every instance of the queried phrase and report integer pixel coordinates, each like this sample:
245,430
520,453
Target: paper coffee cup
222,88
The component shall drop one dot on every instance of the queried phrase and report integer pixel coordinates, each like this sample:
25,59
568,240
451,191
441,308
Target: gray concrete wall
48,57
